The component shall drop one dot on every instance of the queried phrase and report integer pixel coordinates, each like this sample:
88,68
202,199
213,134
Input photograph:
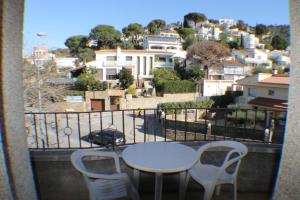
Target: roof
134,51
232,63
283,80
277,104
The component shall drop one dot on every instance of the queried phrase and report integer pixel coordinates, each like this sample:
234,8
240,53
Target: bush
132,91
169,108
173,87
223,101
87,82
125,78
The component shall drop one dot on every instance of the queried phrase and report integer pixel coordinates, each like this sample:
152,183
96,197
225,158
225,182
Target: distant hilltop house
252,57
140,63
265,91
167,41
281,58
227,22
64,63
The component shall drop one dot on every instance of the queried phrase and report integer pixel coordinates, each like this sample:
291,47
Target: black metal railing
68,130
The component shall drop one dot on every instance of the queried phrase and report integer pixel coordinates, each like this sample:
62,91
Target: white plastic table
160,158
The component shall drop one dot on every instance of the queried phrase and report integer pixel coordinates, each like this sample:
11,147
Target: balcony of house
52,137
164,62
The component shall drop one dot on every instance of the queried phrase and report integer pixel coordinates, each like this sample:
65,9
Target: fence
72,130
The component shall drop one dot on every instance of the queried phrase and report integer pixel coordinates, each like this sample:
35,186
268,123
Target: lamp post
40,90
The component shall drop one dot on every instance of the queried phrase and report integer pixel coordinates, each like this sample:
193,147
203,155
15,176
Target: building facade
265,91
139,62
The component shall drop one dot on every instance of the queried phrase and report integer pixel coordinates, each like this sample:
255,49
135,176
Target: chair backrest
77,160
234,155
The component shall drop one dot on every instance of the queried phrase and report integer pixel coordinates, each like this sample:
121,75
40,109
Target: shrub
125,78
87,81
132,91
177,86
223,101
169,108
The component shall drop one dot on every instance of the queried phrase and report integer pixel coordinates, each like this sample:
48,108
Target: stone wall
151,102
57,179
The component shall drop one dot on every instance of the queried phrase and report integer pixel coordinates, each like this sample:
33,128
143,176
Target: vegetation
185,32
169,108
194,73
261,69
195,17
175,86
133,32
241,25
106,36
191,39
156,25
279,43
87,82
125,78
78,47
261,29
207,53
132,91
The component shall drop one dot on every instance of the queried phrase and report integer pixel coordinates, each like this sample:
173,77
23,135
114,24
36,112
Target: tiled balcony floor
224,195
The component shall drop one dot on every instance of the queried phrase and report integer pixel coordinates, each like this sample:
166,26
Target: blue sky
61,19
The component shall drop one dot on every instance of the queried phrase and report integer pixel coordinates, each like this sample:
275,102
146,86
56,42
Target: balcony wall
57,179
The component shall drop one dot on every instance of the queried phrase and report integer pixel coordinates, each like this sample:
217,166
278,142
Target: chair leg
187,179
234,190
209,191
218,190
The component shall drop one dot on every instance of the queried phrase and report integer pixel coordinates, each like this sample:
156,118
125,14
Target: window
151,63
170,60
145,65
161,59
111,58
271,92
128,58
252,92
138,65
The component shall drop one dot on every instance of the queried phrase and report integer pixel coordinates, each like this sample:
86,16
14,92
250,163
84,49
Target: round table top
160,157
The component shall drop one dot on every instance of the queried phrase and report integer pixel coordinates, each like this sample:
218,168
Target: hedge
175,86
169,108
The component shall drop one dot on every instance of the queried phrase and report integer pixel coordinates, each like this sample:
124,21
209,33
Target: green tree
195,73
133,32
191,39
87,81
156,25
185,32
76,42
105,36
86,54
224,38
125,78
194,17
241,25
279,43
261,29
233,44
242,42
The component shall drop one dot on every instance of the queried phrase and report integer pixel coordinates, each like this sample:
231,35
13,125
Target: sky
61,19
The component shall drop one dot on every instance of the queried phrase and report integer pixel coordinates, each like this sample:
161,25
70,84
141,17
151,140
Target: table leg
158,185
136,177
182,180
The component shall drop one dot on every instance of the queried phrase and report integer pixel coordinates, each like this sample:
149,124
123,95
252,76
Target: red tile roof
282,80
269,103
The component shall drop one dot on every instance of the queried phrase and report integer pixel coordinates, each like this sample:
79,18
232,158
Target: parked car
106,137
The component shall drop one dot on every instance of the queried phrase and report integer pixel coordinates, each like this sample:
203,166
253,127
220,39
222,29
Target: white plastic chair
210,176
104,186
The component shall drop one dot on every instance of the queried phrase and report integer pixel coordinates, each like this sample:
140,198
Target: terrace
55,178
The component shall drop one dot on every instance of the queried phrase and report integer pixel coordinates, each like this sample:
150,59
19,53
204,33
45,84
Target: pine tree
242,42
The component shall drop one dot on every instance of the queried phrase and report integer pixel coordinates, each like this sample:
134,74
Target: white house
65,63
140,62
281,57
223,78
252,57
209,32
227,22
165,42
